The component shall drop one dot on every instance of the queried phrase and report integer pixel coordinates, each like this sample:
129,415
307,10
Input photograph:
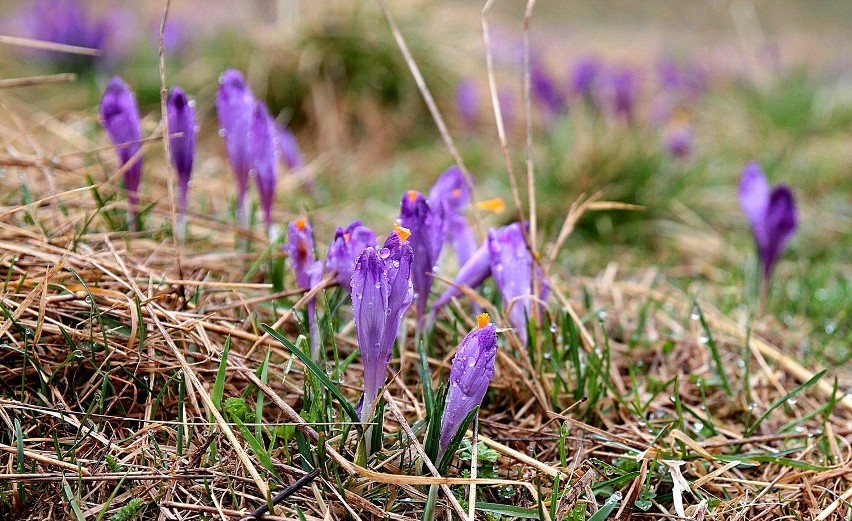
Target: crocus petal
428,232
450,194
234,105
511,266
624,85
471,373
472,274
584,75
265,161
754,196
780,222
678,142
120,118
290,150
182,134
398,259
545,89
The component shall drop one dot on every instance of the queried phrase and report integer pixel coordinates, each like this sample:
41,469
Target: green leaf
783,400
219,384
318,373
508,510
610,505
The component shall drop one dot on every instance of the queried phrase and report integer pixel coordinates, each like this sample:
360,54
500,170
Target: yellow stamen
483,320
496,205
412,195
302,223
404,233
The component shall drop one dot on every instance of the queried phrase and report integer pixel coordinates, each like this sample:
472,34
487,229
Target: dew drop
223,132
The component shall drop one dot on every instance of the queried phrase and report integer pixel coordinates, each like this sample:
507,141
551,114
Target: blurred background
659,104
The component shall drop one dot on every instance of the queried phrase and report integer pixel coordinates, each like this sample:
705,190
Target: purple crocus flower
182,133
308,270
262,147
62,21
678,141
120,118
545,89
346,247
467,102
428,234
289,148
772,214
472,371
450,196
235,105
505,256
624,86
382,292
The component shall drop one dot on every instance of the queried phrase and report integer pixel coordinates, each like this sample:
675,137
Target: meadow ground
137,380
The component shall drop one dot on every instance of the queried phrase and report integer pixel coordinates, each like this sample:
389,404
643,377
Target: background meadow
137,381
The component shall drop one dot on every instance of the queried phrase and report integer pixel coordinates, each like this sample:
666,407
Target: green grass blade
783,400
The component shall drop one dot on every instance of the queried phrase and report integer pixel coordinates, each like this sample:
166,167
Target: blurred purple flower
428,234
234,105
678,141
262,138
120,118
772,214
381,294
584,77
624,89
468,102
545,89
449,197
289,148
345,249
182,134
471,373
176,36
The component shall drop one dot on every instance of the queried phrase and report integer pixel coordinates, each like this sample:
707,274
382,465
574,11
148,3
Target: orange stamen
496,205
457,193
404,233
302,223
412,195
483,320
346,237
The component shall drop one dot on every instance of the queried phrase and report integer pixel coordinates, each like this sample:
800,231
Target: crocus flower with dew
450,196
505,256
182,133
382,292
289,149
344,250
262,147
428,234
308,271
471,373
235,105
467,102
772,214
120,118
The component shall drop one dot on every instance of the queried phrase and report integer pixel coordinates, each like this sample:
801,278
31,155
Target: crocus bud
428,234
381,294
262,147
472,371
584,76
545,89
771,212
182,133
678,141
301,250
467,102
290,150
346,247
235,105
120,118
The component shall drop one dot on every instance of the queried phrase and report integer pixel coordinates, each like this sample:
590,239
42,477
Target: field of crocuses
425,260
